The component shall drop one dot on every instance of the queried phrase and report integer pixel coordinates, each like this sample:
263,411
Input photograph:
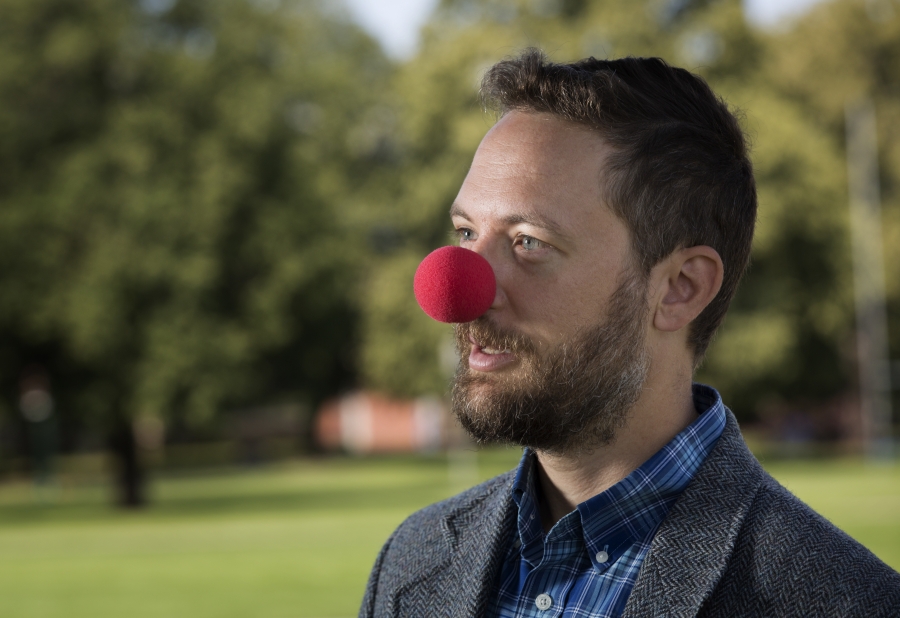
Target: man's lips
487,358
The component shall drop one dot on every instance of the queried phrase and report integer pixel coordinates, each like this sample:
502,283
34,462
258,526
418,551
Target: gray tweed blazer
736,543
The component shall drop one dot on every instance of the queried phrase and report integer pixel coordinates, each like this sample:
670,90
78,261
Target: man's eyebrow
457,211
530,219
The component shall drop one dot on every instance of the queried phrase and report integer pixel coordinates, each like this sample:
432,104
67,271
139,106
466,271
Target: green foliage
398,335
791,332
794,311
173,183
217,203
842,51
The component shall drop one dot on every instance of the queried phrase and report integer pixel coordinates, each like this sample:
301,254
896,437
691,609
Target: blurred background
217,393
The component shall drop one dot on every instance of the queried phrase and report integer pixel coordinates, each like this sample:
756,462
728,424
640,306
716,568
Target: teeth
494,351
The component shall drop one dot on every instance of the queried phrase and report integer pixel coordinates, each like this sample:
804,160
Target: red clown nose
453,284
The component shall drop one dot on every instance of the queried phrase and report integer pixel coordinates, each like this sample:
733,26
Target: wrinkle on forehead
554,136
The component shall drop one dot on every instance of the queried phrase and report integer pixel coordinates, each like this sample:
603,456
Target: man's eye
530,243
464,234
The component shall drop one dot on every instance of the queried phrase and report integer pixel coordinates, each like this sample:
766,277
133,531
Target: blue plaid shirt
587,564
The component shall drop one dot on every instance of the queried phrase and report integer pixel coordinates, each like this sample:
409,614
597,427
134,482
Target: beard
573,398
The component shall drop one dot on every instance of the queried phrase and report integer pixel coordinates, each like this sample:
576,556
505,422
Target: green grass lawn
294,539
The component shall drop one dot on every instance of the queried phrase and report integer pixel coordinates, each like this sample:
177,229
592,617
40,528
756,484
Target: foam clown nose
453,284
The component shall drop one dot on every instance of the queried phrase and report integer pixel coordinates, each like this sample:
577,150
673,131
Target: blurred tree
206,203
841,52
791,334
179,181
785,334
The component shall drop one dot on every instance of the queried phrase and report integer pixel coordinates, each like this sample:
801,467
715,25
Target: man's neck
567,480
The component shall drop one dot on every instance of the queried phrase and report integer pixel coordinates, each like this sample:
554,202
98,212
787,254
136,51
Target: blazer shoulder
418,556
429,535
429,522
789,560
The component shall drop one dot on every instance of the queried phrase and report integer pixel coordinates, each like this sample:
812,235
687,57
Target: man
615,202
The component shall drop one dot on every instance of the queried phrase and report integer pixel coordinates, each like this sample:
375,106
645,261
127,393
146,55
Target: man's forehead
536,169
540,151
544,132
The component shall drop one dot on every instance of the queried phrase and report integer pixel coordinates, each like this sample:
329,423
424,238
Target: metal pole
868,277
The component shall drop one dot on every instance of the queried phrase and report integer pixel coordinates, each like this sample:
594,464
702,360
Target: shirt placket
548,583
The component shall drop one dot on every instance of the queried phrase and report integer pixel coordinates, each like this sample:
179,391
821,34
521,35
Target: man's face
560,357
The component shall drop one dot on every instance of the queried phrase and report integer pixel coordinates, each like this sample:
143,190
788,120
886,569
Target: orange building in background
364,422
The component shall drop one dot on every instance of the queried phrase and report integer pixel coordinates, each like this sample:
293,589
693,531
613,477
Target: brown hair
681,174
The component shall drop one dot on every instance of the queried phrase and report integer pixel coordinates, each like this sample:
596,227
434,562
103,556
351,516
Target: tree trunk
130,481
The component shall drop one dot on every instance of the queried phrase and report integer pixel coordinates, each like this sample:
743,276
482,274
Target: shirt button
602,557
543,601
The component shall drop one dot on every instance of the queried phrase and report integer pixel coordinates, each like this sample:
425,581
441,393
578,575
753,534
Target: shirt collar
530,529
632,509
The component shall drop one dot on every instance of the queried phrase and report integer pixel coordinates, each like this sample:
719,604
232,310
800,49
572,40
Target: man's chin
483,424
476,390
488,394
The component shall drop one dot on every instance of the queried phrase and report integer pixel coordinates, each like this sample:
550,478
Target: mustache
488,335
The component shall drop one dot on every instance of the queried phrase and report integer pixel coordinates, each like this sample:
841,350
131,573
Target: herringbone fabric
735,544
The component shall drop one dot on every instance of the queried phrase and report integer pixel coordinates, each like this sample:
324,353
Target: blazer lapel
474,537
692,547
482,535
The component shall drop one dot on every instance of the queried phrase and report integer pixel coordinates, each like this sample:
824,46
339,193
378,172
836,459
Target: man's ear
686,282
